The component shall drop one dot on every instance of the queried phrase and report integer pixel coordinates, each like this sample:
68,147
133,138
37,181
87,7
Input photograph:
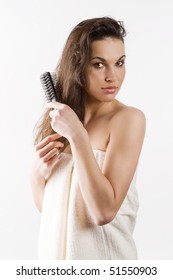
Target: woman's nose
110,75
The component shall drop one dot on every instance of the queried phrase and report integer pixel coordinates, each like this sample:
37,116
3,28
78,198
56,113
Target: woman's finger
50,146
50,155
54,105
46,140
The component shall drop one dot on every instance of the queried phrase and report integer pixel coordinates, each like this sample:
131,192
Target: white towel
67,230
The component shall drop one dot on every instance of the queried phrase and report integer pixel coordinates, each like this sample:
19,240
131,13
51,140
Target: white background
32,34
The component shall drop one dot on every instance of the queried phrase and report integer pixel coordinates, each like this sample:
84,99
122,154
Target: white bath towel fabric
67,230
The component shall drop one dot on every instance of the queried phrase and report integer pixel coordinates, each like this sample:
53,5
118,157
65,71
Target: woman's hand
45,156
64,120
44,160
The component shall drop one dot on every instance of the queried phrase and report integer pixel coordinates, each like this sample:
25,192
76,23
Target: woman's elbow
104,218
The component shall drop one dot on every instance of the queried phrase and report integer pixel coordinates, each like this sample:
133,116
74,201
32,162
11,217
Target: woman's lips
110,89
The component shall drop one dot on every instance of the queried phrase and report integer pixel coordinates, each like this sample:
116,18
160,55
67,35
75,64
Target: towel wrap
66,228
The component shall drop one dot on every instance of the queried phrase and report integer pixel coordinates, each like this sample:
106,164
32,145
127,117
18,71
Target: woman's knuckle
46,163
49,138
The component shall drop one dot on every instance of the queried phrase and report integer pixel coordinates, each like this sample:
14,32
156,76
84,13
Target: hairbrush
48,81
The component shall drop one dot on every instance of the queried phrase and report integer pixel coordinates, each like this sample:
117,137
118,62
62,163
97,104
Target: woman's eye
98,65
120,63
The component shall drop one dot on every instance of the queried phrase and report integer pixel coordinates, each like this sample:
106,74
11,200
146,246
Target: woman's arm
103,191
44,160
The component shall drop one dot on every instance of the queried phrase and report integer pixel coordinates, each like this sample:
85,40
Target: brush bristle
48,85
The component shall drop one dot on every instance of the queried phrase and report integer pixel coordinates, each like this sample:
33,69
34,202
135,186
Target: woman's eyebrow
104,60
123,56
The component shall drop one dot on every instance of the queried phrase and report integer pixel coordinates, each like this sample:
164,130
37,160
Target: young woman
87,150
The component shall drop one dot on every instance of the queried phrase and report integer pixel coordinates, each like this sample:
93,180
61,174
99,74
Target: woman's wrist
80,142
78,135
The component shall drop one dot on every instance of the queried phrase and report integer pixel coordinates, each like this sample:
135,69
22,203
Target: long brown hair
71,77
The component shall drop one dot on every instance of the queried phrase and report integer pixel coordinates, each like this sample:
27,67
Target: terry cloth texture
67,230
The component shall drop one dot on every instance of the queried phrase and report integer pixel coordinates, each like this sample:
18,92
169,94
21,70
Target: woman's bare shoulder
125,117
127,113
127,129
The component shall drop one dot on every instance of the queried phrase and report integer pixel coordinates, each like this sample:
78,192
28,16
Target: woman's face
106,70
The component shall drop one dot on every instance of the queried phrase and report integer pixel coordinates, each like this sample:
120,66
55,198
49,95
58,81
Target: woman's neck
96,109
